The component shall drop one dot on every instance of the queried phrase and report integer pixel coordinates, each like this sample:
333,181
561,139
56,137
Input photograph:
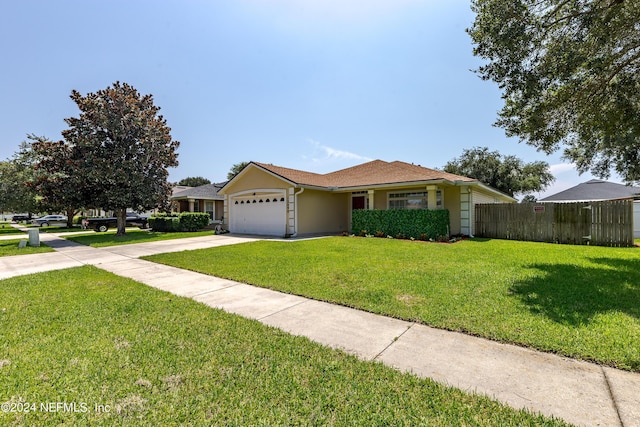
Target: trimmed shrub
186,221
164,222
194,221
402,223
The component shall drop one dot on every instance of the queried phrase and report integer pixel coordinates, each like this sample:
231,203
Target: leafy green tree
124,148
236,169
58,178
194,181
569,71
16,174
508,174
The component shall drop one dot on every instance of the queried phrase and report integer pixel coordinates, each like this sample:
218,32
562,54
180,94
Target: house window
414,200
408,200
209,208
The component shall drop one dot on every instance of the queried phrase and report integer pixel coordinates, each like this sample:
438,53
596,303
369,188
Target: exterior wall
255,178
451,197
219,210
323,212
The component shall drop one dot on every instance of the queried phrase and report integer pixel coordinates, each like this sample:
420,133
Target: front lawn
98,240
10,247
579,301
116,352
7,229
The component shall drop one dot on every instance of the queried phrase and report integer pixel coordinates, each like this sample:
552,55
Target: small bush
194,221
186,221
164,223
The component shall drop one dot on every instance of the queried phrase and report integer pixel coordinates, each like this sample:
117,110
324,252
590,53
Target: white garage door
636,220
264,215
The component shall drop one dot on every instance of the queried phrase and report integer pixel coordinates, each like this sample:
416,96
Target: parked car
103,224
48,220
22,217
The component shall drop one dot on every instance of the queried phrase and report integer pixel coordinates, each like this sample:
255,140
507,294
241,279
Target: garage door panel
258,216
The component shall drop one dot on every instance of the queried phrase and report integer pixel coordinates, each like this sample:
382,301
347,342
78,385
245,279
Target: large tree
236,169
58,178
125,147
16,174
569,71
194,181
508,174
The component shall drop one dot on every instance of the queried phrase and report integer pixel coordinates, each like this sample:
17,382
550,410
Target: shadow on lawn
573,295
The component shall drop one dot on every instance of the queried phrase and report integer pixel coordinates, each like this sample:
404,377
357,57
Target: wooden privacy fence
607,223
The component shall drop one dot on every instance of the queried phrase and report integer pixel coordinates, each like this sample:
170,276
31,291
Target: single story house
598,190
204,198
273,200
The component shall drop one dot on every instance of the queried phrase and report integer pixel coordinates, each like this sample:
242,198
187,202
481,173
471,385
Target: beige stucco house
272,200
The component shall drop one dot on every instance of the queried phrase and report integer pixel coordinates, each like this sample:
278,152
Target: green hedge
402,223
163,222
186,221
194,221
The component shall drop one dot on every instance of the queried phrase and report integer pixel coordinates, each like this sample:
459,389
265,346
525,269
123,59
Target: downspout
295,208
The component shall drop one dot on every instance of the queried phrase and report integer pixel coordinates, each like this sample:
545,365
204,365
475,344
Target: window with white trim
413,200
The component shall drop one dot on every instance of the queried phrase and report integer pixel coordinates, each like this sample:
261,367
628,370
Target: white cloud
322,153
561,168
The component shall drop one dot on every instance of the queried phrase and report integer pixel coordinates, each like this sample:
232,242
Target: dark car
103,224
18,218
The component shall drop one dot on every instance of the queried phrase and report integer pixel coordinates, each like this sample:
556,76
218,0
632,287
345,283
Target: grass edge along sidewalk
577,301
98,240
123,352
10,248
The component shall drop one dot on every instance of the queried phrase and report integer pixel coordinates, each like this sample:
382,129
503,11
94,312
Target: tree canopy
236,169
508,174
194,181
124,147
16,174
57,177
569,71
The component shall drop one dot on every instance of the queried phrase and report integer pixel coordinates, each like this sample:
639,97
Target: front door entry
358,202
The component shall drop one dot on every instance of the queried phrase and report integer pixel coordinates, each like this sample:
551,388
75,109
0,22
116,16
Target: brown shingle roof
376,172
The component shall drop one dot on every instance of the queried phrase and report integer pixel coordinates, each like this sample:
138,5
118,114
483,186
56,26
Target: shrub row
402,223
185,221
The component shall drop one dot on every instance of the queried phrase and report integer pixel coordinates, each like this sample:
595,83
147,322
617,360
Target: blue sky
317,85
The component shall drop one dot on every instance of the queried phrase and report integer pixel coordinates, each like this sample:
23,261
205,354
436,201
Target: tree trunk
70,213
121,216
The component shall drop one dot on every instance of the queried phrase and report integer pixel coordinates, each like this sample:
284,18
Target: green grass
98,240
7,229
149,358
579,301
10,247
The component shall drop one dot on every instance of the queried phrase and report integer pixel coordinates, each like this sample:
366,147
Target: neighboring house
272,200
204,198
598,190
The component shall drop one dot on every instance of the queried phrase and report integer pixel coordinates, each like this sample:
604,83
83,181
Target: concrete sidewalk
579,392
